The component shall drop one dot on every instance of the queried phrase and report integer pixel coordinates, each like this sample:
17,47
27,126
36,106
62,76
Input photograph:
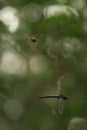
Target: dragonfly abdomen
58,97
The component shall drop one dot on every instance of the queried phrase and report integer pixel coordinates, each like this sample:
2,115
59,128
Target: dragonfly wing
61,108
58,106
59,88
55,107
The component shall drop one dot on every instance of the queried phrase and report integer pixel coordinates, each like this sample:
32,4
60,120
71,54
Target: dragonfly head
64,97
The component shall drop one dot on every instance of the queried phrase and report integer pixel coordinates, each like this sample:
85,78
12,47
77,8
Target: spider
32,39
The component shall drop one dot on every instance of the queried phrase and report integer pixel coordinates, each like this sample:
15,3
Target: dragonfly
59,96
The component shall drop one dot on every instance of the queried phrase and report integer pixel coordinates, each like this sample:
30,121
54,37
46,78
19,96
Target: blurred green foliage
28,70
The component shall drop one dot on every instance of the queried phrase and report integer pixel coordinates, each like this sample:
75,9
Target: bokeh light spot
38,64
13,63
13,109
77,123
31,12
78,4
55,10
8,15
